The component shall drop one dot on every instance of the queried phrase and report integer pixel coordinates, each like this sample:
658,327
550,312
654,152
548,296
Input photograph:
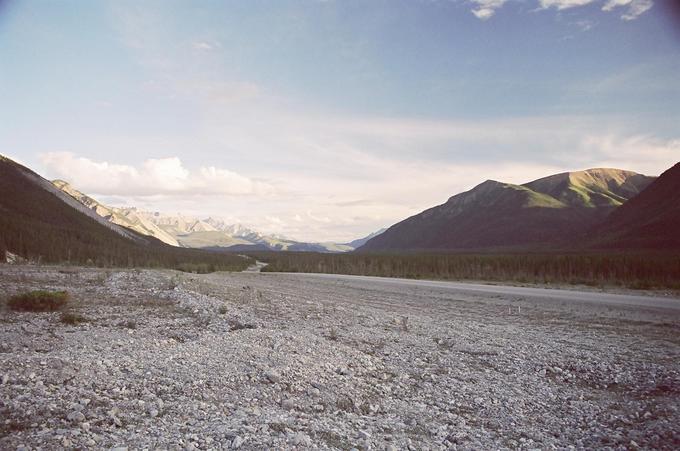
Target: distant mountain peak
495,215
125,217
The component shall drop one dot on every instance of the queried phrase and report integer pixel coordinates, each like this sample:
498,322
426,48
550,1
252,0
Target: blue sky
325,120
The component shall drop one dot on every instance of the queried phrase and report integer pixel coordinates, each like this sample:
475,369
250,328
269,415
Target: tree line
634,270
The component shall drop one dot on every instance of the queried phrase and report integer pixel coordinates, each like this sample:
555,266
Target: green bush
38,301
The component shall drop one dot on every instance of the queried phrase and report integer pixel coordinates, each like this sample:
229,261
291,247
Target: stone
288,404
273,377
237,442
76,416
363,435
301,439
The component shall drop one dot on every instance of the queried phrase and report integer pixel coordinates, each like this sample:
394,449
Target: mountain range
42,223
549,213
591,210
188,231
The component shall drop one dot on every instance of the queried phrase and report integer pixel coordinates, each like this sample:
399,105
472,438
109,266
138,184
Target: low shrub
38,301
72,318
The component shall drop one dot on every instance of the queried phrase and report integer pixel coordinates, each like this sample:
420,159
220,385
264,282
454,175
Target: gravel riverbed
168,360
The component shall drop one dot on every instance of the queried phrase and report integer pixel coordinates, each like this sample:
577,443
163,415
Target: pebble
363,435
288,404
301,439
76,417
273,377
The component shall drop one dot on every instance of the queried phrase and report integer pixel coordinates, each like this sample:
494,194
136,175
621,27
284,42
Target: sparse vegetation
197,268
73,318
38,301
404,323
637,271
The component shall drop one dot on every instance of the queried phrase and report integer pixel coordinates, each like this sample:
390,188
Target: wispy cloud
634,7
585,24
485,9
205,45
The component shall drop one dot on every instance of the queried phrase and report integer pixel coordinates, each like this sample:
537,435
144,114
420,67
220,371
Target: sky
327,120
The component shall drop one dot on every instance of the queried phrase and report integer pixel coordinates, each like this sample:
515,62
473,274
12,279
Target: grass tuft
38,301
72,318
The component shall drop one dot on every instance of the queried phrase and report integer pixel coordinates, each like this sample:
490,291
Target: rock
343,371
237,442
273,377
363,435
288,404
76,416
301,439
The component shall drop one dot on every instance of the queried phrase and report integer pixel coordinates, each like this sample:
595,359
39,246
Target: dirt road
549,294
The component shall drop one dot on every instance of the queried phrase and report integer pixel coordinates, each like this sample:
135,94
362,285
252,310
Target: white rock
237,442
273,377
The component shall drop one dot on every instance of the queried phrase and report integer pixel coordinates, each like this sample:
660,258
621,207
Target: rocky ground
167,360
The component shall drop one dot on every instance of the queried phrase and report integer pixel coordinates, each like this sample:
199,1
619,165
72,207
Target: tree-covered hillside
38,225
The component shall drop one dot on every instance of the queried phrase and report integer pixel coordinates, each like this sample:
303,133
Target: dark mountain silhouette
650,220
41,223
503,216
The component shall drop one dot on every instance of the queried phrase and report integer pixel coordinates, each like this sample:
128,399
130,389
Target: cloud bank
164,176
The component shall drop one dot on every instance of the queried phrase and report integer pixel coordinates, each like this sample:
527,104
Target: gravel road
168,360
542,294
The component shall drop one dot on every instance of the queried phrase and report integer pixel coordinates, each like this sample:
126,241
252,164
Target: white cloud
640,153
164,176
486,8
635,7
585,24
563,4
204,45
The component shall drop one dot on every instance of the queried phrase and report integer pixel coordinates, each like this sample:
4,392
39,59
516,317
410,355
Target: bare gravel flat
168,360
